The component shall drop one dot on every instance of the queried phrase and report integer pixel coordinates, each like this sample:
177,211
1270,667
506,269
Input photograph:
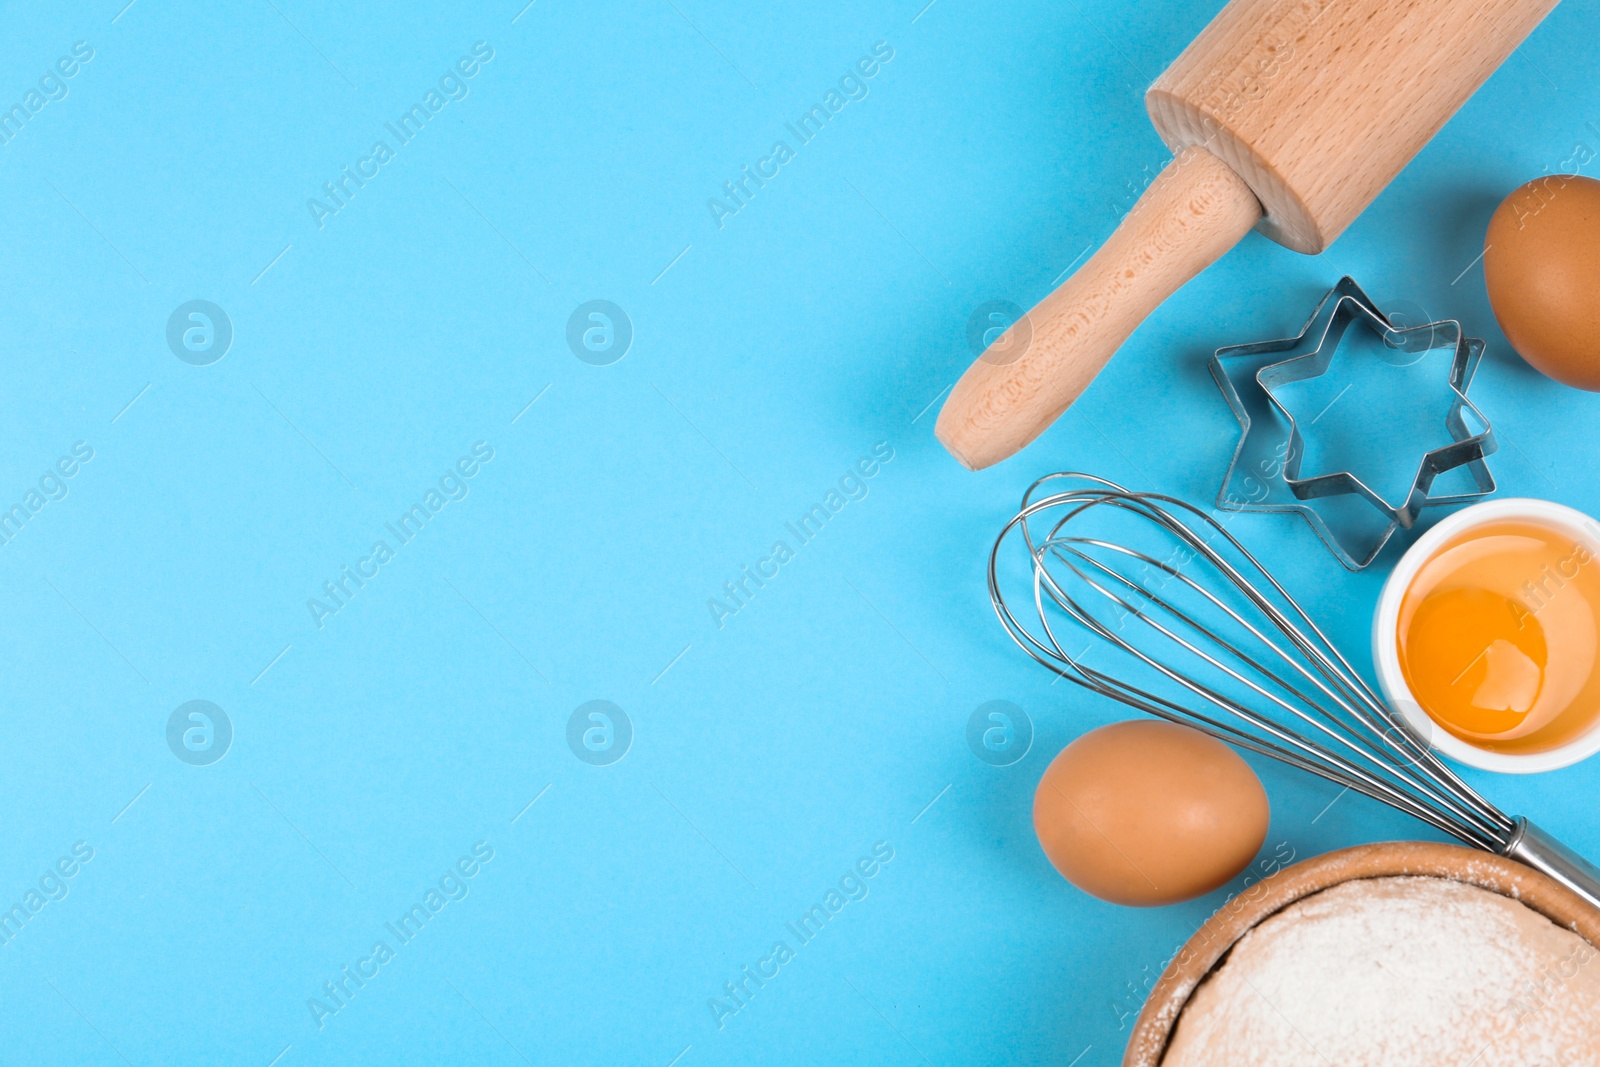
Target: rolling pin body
1313,106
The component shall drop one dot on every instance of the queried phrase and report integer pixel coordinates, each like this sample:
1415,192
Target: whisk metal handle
1530,845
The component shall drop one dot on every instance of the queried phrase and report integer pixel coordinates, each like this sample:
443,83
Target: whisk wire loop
1305,755
1334,733
1237,657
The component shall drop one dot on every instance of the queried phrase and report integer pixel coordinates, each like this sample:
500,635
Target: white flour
1398,971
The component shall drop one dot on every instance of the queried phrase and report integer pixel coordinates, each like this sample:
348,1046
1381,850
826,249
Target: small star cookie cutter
1265,472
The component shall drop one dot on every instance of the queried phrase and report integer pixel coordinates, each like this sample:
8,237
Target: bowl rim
1217,935
1385,648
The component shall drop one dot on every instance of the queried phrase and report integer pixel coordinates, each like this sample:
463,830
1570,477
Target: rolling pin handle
1196,209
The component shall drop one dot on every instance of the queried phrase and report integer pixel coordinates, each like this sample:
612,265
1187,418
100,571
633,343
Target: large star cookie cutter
1265,473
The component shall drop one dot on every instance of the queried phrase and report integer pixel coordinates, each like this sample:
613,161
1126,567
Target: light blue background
829,714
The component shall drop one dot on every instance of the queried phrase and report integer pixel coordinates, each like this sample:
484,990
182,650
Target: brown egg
1541,263
1148,812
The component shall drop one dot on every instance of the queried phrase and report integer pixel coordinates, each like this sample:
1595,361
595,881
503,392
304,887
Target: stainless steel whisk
1181,621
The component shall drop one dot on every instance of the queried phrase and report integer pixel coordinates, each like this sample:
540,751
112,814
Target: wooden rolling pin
1288,116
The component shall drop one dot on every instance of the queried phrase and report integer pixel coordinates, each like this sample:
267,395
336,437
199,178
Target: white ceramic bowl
1385,642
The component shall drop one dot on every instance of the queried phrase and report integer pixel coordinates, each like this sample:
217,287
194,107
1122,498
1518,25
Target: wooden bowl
1211,943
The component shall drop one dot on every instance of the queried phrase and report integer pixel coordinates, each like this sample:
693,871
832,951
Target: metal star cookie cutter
1264,473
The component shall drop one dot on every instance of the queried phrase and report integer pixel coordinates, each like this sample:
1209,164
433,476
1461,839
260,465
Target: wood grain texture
1313,105
1195,210
1318,104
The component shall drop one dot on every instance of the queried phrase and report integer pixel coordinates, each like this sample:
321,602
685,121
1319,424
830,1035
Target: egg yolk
1498,637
